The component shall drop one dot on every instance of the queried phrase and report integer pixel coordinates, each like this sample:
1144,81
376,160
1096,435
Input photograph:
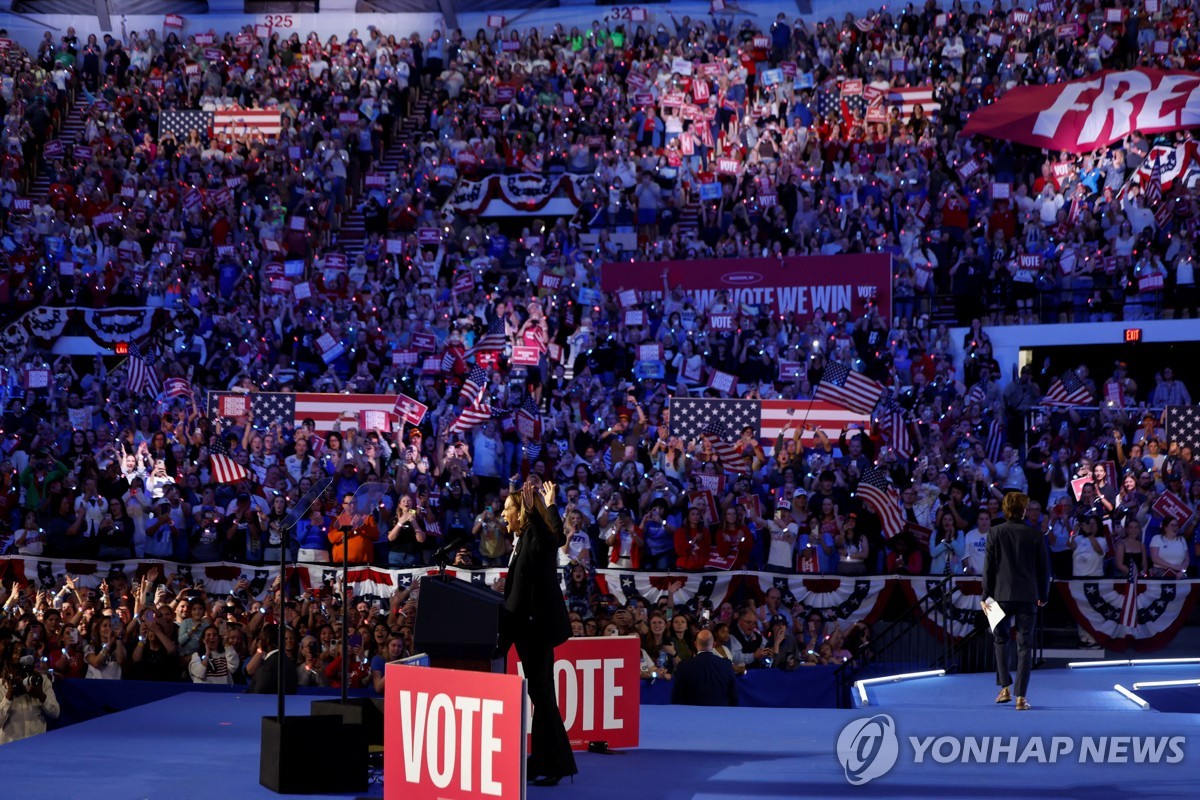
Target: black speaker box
321,755
365,711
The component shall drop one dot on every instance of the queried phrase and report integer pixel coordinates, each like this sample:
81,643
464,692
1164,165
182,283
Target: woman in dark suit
536,620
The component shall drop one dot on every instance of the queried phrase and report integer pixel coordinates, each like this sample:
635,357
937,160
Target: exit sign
1133,334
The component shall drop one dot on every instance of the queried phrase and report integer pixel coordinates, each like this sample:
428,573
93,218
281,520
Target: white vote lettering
436,730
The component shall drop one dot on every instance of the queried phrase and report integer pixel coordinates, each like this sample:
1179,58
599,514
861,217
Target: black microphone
443,552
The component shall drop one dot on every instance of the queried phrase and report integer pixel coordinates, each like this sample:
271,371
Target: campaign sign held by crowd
598,682
453,734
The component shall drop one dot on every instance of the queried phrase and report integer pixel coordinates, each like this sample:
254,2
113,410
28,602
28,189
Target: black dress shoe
550,780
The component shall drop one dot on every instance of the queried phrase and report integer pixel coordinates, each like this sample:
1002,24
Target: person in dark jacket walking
1017,577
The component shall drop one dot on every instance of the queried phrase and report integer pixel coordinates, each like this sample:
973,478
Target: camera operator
27,698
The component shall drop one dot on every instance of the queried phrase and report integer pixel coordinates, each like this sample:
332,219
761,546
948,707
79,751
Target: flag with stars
827,103
853,599
323,408
180,124
697,587
529,420
882,500
718,439
471,417
1067,390
1183,426
224,468
142,376
767,418
845,387
493,340
1162,608
474,385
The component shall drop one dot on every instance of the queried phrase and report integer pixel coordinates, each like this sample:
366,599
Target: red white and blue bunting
1162,609
1162,606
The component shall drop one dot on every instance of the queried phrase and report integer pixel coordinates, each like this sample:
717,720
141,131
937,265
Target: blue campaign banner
649,370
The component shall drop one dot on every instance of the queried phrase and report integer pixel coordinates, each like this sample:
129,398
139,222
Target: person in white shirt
783,533
213,663
26,703
976,542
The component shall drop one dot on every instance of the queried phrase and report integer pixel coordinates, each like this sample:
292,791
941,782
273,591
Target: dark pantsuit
551,748
1018,615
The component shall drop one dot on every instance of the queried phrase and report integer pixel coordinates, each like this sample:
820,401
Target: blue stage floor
200,746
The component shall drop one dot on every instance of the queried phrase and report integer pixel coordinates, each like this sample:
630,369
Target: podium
459,625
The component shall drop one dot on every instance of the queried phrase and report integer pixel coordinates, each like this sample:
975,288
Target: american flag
893,423
224,468
1067,390
493,341
909,97
690,415
180,124
883,500
1129,609
827,103
177,387
864,24
1183,426
976,395
471,417
474,385
529,419
247,122
1154,185
323,408
842,386
995,439
718,438
142,376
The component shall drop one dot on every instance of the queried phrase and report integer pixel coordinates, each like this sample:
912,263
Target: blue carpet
1172,699
197,746
1054,689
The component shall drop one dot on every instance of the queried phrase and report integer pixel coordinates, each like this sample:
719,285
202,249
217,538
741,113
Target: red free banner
1093,112
598,682
797,285
452,733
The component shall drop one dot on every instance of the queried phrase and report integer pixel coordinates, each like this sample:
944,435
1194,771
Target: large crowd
203,228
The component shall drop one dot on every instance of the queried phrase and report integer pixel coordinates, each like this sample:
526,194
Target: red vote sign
449,733
598,682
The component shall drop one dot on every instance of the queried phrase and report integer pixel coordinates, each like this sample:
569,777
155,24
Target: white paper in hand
993,612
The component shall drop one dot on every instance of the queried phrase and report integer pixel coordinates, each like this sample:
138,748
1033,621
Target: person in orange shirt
358,530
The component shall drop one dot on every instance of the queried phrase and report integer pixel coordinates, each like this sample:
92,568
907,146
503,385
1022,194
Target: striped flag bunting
845,387
718,438
882,499
1067,390
224,468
